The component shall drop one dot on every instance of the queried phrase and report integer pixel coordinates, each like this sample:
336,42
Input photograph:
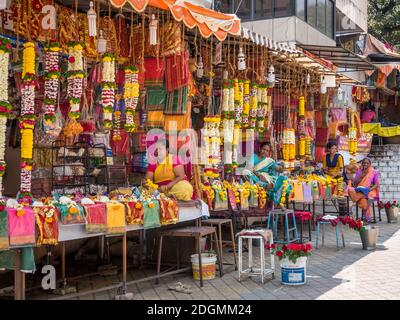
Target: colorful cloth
176,101
155,119
115,217
169,211
372,178
298,195
7,260
21,226
154,72
182,191
47,222
71,214
151,214
96,218
164,172
4,230
155,98
135,213
307,193
177,71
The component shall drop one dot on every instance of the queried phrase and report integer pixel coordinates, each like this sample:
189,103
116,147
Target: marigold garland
131,96
228,122
27,120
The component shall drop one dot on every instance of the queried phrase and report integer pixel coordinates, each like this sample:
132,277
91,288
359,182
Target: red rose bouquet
292,251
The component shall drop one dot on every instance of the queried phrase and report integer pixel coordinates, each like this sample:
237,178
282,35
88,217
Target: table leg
220,239
63,265
313,214
124,264
221,270
19,277
240,256
262,260
178,258
159,257
200,263
233,244
342,236
250,241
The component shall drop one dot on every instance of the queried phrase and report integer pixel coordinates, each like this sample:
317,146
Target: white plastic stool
252,272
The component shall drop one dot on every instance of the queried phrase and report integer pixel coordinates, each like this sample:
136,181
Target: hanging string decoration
27,120
108,90
75,78
131,96
228,122
262,101
5,106
51,81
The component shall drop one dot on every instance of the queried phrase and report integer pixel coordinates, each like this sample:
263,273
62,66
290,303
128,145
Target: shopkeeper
333,161
263,167
168,173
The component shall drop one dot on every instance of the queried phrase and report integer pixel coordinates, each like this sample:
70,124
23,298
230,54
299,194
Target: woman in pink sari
366,186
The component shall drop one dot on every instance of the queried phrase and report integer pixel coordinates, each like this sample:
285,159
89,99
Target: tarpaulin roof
208,21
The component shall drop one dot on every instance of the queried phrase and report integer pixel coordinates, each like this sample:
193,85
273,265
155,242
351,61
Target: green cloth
176,101
4,230
151,215
155,98
276,192
7,260
67,218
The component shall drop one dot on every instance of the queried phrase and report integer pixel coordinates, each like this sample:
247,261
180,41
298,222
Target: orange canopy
208,21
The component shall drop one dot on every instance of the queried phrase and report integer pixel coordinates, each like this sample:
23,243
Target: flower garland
262,103
253,106
51,81
108,90
5,107
289,147
353,144
27,120
131,96
212,124
282,202
238,98
75,77
228,122
117,126
246,104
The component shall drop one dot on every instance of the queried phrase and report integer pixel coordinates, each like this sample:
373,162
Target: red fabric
122,36
319,154
121,147
321,137
154,71
176,162
303,215
177,71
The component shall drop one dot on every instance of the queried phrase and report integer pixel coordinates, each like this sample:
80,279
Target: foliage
384,20
292,251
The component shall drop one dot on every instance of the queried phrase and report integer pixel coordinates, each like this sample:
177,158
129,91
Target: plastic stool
319,223
251,271
286,213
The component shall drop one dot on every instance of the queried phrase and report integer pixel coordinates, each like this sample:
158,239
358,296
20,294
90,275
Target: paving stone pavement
346,274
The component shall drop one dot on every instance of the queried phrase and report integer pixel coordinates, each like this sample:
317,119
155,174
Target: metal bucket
369,237
392,214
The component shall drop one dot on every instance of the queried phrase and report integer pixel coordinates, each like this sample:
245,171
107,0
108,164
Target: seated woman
366,186
333,161
264,169
169,174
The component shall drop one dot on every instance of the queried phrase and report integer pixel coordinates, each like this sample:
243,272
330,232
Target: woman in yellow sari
366,186
167,171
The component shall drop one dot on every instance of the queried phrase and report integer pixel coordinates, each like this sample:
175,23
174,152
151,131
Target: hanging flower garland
51,81
211,124
253,106
246,104
75,77
228,122
108,90
262,101
27,120
289,147
117,125
5,107
238,98
131,96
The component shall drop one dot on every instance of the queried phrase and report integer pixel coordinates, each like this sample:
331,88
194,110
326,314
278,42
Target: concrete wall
290,29
356,10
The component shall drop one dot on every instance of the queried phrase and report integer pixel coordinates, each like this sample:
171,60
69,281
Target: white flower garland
75,79
51,83
108,90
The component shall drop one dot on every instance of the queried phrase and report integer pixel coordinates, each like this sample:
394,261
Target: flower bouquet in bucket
293,260
368,233
391,209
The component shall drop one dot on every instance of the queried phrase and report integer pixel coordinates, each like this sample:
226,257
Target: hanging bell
153,30
225,75
308,79
241,60
101,43
200,68
91,14
271,76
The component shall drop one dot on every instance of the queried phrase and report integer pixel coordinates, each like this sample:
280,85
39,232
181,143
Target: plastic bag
151,214
47,133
